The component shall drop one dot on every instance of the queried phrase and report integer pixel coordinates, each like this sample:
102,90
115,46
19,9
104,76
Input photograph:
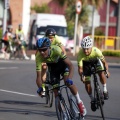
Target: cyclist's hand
107,74
83,78
40,91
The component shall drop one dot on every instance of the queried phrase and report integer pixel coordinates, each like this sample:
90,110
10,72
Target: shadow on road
20,110
92,117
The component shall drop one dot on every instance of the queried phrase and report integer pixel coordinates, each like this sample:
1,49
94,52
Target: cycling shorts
23,44
5,42
57,70
87,68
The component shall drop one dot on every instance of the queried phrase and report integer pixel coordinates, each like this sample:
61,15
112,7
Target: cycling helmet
87,42
43,42
50,32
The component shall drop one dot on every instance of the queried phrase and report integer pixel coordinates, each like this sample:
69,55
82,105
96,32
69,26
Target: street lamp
78,10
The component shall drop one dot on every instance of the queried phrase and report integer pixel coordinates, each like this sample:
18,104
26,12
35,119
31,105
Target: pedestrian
20,41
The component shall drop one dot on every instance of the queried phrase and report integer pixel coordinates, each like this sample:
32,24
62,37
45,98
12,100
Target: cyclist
7,39
88,53
55,40
59,64
20,41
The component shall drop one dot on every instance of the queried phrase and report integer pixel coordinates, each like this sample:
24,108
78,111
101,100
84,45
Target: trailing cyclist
53,56
86,54
55,40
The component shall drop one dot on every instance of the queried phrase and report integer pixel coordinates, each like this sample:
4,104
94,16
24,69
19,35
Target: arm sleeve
99,54
38,62
58,41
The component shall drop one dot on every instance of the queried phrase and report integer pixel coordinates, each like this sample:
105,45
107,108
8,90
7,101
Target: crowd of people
13,41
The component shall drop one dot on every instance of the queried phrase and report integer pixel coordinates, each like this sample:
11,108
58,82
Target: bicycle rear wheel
74,108
62,110
100,102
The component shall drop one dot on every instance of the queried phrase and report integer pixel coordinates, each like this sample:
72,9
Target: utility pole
107,21
78,10
93,26
118,26
6,7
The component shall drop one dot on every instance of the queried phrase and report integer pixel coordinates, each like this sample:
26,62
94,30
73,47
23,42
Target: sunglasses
43,50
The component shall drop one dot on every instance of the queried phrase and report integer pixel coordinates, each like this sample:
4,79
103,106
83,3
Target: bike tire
62,110
74,108
50,100
99,102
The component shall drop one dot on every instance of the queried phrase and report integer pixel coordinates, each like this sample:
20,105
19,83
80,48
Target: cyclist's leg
74,91
102,78
23,49
5,48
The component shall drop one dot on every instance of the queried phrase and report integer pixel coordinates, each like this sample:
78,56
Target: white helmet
87,42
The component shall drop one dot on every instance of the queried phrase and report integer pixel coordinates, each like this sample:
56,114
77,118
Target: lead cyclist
88,53
59,63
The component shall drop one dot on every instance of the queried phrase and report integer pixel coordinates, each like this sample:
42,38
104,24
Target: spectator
7,39
20,41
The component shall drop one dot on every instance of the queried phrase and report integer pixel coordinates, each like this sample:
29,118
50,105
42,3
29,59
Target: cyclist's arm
63,49
16,34
38,79
105,64
80,65
58,42
38,70
70,66
80,71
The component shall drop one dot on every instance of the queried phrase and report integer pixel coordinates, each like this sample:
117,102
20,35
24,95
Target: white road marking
3,68
18,93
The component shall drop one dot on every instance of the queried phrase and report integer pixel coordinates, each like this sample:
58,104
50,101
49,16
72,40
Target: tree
41,9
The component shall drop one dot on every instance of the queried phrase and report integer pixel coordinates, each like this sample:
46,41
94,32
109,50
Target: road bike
98,94
64,110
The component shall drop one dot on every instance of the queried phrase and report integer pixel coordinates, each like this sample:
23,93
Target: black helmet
50,32
43,42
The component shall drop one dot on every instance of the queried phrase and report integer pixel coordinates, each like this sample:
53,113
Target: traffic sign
78,6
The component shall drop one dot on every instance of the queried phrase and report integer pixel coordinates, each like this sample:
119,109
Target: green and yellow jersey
95,53
57,41
56,54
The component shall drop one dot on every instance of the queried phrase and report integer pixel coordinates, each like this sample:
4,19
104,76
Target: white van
40,22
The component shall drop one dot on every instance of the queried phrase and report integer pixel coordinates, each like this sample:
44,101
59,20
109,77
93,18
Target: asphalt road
19,101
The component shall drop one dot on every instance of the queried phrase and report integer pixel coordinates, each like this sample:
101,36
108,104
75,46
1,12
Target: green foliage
62,2
41,9
99,31
70,14
70,29
0,33
114,53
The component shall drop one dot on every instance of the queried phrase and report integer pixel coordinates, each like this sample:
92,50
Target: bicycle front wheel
100,102
49,97
62,110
